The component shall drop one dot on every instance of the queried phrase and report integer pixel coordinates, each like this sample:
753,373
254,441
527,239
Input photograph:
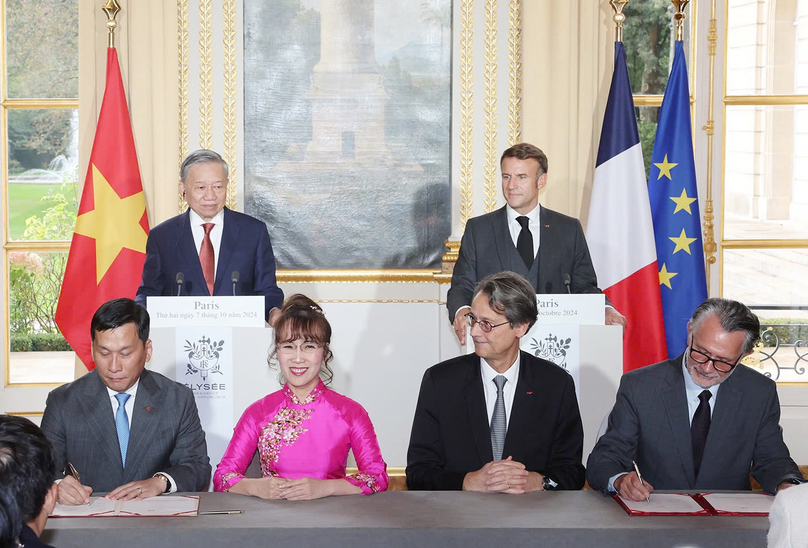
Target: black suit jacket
650,424
245,248
29,539
451,434
165,436
485,249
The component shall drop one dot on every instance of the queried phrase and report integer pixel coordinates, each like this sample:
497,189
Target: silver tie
498,424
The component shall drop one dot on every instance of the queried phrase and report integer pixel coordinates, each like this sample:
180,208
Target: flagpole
111,8
710,247
618,18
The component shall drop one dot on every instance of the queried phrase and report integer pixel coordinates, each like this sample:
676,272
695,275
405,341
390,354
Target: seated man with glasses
699,421
499,420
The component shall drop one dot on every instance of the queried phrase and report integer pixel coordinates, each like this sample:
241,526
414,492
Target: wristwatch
547,484
165,479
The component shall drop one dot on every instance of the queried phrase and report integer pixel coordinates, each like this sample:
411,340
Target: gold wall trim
358,276
709,245
183,40
12,104
764,244
775,100
393,471
205,74
466,111
515,72
28,413
37,245
490,106
648,100
230,97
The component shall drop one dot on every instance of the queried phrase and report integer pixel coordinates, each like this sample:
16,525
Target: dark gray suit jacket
451,435
650,424
487,248
165,436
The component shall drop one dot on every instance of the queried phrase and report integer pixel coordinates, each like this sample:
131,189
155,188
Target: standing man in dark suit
499,420
209,249
547,248
698,422
122,428
26,475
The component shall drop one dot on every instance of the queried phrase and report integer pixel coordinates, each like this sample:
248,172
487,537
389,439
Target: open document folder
706,504
100,507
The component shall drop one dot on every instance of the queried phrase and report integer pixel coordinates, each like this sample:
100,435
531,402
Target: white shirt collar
196,220
533,215
512,373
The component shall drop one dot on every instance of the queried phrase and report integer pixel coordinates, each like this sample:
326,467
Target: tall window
39,133
648,36
764,245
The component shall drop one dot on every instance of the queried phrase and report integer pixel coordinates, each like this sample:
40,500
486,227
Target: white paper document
740,503
100,507
666,504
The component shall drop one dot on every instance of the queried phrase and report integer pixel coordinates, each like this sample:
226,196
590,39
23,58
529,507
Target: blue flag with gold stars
675,210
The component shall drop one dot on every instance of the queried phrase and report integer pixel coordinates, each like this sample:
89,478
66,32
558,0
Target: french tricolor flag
620,232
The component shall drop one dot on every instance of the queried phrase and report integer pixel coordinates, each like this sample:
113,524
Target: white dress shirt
490,389
215,235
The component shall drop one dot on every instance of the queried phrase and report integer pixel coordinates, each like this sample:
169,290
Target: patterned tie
524,243
498,424
122,425
699,429
206,257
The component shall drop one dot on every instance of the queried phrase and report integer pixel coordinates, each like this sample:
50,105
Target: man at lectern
122,428
499,420
547,248
701,421
210,249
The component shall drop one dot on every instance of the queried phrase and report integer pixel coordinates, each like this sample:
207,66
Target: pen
637,469
73,472
220,512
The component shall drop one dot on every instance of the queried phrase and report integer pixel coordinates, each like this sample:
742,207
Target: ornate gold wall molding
231,45
466,111
515,72
490,105
183,54
205,74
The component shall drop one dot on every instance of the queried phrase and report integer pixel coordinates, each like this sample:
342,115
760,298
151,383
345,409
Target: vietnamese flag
109,242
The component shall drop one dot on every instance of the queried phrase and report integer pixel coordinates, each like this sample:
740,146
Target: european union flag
675,210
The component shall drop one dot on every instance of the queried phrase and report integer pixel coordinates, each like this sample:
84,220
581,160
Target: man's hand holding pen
631,487
72,492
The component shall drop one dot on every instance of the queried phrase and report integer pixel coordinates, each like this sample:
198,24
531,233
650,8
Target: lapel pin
530,393
148,408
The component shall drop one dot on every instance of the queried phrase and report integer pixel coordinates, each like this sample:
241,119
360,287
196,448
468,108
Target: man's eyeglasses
719,365
485,325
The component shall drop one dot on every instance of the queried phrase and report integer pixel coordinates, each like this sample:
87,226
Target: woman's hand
305,489
265,488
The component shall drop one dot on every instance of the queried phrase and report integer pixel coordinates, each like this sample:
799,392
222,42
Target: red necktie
206,257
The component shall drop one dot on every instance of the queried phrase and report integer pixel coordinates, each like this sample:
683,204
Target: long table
407,519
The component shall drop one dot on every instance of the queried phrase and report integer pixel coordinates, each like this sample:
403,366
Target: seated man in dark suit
547,248
700,421
499,420
26,475
209,249
122,428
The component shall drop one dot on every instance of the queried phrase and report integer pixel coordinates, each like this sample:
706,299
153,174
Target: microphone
566,278
234,278
179,279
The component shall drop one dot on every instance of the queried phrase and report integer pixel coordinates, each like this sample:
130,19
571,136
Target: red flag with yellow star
109,242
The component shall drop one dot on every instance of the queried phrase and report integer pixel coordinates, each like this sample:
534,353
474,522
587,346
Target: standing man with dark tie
210,249
546,247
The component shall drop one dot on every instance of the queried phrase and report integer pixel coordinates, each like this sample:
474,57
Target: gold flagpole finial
618,18
111,8
679,18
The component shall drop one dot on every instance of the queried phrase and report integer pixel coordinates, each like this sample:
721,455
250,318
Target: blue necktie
122,425
498,423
